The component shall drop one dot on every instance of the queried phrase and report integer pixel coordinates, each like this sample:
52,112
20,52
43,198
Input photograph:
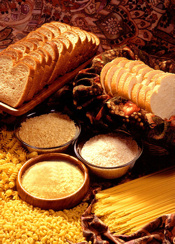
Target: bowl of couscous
53,181
47,132
109,155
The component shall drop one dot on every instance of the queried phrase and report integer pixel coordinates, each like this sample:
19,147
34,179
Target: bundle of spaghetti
128,207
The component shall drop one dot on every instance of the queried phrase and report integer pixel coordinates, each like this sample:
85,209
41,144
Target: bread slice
62,26
152,84
52,49
131,63
161,100
144,71
148,76
91,45
63,56
130,82
54,29
20,47
37,35
137,67
83,36
152,73
14,54
6,62
35,42
123,62
96,43
118,59
31,45
106,68
142,96
97,40
15,84
109,77
46,32
48,61
118,89
42,66
35,64
103,74
84,44
112,82
74,38
164,77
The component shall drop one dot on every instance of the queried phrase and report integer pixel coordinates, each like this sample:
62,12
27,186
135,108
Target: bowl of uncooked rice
108,155
48,132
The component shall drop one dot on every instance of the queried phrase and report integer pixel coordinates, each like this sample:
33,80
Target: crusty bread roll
152,90
50,51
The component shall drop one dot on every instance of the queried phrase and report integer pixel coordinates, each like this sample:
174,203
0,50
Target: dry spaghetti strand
128,207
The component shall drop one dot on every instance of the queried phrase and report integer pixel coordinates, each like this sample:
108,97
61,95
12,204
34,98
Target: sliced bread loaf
44,54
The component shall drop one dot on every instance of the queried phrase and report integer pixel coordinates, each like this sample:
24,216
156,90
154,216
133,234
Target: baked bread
35,62
152,90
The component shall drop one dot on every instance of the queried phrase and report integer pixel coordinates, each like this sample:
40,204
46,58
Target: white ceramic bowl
101,171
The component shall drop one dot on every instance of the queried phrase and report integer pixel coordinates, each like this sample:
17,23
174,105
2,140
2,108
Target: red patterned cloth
147,24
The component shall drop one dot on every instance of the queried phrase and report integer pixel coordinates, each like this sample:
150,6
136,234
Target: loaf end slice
16,84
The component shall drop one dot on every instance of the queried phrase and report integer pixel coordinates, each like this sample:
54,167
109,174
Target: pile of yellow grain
20,222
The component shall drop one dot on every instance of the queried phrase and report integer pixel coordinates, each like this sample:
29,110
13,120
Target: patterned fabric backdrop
147,24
